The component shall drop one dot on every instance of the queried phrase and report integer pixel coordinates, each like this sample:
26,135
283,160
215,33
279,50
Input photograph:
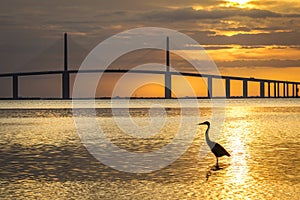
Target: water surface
42,156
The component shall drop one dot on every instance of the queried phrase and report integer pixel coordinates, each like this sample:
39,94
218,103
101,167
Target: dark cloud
191,14
220,47
217,47
259,63
246,29
189,2
284,6
274,38
269,28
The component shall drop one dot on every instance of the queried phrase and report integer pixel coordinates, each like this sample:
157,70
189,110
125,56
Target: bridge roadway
65,80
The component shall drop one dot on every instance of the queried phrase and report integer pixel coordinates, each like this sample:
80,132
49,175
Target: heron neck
206,134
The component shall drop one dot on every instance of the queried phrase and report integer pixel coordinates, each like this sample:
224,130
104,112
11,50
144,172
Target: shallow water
42,156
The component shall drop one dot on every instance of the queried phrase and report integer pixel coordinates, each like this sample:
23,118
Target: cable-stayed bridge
279,88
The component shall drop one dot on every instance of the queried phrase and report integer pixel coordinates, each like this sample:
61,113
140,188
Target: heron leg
217,164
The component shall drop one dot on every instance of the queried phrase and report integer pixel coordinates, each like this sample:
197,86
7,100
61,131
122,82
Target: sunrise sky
245,38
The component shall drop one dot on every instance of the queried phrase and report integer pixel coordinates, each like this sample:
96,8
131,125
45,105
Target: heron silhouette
216,148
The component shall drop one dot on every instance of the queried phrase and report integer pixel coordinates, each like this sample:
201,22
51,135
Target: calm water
42,156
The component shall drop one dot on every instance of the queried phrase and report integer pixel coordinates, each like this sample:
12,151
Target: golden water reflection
238,136
239,168
43,158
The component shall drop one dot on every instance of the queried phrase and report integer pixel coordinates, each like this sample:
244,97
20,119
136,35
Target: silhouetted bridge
264,83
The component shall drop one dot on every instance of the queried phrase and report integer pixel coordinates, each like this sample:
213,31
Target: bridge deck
66,81
146,72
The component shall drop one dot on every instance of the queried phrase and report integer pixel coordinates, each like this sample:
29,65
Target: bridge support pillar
278,89
297,90
168,91
209,87
274,87
269,89
294,88
262,89
66,85
245,88
227,88
284,89
287,90
15,87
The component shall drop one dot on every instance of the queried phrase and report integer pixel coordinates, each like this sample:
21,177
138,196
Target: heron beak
200,124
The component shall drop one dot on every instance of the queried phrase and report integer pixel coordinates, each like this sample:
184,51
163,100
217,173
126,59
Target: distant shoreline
145,98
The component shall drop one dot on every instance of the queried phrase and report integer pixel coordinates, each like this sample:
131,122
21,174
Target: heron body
216,148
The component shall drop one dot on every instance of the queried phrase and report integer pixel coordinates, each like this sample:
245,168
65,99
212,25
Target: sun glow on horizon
238,3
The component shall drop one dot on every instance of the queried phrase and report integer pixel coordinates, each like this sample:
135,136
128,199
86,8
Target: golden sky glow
250,38
239,1
238,4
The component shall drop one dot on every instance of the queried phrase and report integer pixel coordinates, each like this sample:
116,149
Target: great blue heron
216,148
